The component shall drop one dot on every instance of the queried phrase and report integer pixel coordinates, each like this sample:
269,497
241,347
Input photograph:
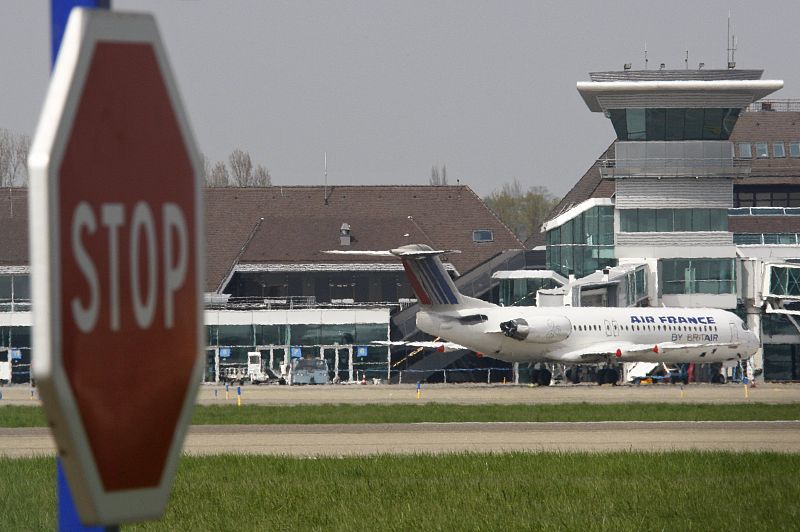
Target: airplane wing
599,352
446,346
623,350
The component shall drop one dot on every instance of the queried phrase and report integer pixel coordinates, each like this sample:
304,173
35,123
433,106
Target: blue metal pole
67,514
59,13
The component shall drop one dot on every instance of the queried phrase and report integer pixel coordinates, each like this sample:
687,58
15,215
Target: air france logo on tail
430,281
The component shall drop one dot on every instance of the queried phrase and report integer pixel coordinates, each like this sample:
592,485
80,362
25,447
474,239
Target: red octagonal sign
115,224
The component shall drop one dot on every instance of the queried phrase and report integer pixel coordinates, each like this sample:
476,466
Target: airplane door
734,333
615,327
608,327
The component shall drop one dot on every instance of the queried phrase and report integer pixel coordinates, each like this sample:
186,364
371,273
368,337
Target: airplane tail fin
426,273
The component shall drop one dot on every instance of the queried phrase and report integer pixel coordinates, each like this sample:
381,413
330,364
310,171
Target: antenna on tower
645,55
731,44
325,178
686,60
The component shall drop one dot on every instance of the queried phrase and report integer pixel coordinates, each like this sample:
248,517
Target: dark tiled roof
13,226
769,126
298,225
591,185
293,224
764,224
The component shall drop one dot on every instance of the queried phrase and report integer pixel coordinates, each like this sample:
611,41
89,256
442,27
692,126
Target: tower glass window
673,123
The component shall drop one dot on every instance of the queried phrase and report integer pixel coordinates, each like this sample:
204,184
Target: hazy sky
390,88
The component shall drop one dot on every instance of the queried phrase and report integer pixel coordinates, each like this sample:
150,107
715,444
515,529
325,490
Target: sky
389,89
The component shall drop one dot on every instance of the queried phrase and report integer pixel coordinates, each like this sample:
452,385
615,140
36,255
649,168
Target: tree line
523,211
237,171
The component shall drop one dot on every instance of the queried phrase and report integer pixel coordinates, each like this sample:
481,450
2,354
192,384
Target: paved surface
473,394
348,440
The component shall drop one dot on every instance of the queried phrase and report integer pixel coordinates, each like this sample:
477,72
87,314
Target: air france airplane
567,335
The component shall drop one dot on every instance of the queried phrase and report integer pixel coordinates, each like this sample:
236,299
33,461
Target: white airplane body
569,335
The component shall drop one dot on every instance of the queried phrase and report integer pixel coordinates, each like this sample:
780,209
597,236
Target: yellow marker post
238,396
746,392
681,392
226,392
419,389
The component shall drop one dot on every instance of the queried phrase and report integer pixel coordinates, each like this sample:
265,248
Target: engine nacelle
544,330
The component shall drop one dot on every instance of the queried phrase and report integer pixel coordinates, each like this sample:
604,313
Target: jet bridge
781,290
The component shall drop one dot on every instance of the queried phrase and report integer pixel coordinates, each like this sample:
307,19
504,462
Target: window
671,220
745,150
794,149
778,149
697,276
761,150
482,235
673,123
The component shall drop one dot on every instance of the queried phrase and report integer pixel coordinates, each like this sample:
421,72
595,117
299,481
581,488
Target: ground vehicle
309,371
258,372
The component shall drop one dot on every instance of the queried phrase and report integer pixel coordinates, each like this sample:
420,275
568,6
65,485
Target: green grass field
539,491
26,416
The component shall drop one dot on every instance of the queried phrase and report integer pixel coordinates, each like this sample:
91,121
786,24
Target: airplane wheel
533,375
612,376
719,378
573,376
544,377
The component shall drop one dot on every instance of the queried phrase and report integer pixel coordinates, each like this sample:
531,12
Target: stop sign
115,224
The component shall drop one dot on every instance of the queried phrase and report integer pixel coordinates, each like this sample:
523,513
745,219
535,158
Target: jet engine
544,330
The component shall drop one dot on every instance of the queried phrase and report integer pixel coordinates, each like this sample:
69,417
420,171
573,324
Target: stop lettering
142,236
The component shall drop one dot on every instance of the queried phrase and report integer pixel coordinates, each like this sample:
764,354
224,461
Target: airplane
567,335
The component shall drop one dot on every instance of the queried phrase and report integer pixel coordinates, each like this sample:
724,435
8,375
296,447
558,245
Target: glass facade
782,362
673,124
672,220
784,196
522,292
584,244
784,281
15,292
760,239
697,276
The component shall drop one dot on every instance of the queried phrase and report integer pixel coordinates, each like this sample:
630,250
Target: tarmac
471,394
366,439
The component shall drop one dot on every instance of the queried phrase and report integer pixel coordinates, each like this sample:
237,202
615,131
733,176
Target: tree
239,172
13,158
261,177
438,176
219,175
241,168
522,211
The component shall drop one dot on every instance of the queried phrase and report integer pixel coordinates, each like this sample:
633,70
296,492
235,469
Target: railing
673,167
291,302
17,305
766,239
764,211
775,105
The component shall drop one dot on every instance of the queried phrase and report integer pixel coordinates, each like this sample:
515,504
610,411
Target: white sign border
85,28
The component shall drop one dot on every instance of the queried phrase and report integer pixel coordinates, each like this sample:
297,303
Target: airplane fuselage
568,334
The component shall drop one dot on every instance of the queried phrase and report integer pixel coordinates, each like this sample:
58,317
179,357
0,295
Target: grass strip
26,416
516,491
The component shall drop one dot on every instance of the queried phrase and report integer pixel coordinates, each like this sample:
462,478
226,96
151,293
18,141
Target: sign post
116,223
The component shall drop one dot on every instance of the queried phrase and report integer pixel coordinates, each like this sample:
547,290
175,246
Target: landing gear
544,377
573,375
719,378
607,376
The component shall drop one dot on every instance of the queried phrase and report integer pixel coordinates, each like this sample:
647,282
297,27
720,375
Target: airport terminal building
269,286
696,203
